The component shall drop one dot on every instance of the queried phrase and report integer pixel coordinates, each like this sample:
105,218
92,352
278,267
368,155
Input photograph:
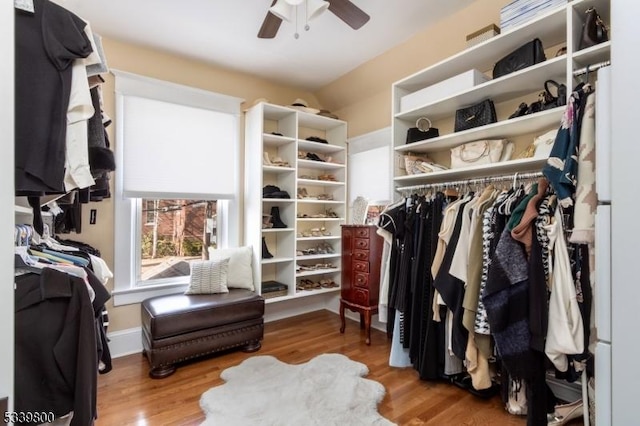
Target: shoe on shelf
266,221
275,218
265,159
265,250
302,192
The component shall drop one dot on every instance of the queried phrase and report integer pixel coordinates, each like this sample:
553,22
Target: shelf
508,87
500,130
319,256
319,147
329,237
276,260
293,127
317,272
505,167
318,121
278,200
320,219
318,182
301,293
591,55
548,26
311,164
314,201
276,112
271,140
277,169
274,230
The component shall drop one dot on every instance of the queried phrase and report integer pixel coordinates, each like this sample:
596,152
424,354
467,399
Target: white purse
544,144
477,153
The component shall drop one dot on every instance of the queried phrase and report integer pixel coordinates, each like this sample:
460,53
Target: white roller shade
176,141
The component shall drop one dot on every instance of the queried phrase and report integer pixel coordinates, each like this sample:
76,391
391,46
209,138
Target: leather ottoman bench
180,327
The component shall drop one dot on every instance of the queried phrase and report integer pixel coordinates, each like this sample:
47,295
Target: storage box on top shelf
520,11
443,89
482,34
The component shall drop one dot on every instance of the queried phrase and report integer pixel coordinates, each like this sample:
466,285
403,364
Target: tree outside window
173,232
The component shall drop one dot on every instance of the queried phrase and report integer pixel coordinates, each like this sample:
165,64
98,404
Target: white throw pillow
208,276
240,271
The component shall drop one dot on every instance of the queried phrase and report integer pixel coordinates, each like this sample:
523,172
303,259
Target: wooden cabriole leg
342,324
367,326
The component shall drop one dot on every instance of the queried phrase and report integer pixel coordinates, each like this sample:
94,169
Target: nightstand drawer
361,243
361,279
361,296
360,266
362,232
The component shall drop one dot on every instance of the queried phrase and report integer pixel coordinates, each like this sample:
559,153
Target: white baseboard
125,342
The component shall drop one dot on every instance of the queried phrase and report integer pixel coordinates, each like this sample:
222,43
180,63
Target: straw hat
302,105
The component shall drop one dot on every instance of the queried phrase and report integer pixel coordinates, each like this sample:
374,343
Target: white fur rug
328,390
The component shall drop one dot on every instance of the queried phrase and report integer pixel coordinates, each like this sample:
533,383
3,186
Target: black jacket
56,361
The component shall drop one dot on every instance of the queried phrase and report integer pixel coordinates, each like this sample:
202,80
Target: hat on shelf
302,105
327,113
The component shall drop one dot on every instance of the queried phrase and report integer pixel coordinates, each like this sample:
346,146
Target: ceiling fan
351,14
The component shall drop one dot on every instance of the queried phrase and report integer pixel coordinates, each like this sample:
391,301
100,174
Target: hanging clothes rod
485,180
590,68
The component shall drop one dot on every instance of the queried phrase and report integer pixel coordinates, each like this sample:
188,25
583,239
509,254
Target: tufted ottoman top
167,316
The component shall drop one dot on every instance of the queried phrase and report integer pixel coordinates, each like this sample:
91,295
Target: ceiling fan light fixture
315,8
283,10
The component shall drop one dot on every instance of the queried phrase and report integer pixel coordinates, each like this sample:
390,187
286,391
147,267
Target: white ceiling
224,33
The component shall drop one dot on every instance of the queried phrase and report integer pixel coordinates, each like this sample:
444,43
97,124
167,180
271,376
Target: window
174,232
177,182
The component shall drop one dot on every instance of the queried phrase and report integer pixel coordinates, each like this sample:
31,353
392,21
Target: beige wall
361,97
163,66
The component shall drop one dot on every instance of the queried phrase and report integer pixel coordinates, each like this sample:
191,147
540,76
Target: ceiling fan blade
349,13
270,25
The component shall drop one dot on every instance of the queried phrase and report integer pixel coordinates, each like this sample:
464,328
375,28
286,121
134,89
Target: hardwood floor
127,396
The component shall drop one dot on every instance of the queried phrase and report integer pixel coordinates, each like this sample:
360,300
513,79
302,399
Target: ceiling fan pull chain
306,15
296,35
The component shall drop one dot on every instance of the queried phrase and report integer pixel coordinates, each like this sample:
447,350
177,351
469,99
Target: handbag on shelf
422,131
478,153
593,31
546,100
549,100
476,115
415,164
526,55
544,144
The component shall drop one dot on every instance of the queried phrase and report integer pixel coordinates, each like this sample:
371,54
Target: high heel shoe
275,218
265,250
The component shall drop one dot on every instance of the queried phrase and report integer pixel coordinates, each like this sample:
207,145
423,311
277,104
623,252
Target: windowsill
132,296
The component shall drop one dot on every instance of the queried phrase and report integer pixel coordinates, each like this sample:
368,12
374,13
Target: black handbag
526,55
546,100
422,131
593,31
549,100
476,115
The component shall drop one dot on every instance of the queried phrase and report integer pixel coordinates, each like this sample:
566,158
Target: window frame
128,227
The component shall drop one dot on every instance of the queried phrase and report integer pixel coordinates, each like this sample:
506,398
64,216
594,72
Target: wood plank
127,396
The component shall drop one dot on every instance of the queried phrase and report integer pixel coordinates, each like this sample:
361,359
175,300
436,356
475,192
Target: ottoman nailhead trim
207,338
